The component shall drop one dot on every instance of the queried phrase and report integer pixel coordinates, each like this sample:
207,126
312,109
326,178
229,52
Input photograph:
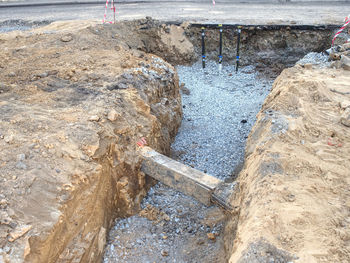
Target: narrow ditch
125,94
219,110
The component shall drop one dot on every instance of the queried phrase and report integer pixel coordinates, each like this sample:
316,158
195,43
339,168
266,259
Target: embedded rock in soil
294,186
68,160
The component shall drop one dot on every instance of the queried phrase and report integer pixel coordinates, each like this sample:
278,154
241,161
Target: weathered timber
203,187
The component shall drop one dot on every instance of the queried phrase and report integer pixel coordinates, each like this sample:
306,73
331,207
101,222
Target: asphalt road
311,13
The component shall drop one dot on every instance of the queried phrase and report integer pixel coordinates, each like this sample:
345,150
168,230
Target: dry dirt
74,100
295,197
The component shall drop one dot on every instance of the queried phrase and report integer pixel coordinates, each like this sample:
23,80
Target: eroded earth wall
74,101
294,188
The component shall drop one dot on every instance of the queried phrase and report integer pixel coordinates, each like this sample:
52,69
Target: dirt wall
74,103
267,49
294,198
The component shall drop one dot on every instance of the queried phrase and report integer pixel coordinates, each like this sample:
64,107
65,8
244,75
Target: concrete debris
341,56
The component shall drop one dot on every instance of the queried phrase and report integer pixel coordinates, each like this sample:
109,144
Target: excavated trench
219,110
153,223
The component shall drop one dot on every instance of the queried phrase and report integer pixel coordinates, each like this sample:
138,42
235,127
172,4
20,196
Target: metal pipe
237,52
220,48
203,47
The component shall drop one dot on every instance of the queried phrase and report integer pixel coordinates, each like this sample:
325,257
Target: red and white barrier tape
347,21
105,15
213,2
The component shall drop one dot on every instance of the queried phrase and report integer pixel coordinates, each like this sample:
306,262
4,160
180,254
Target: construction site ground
76,96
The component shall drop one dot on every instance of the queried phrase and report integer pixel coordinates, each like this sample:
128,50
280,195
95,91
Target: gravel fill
314,58
218,116
219,111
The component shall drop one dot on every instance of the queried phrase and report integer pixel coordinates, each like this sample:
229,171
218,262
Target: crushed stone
320,59
218,116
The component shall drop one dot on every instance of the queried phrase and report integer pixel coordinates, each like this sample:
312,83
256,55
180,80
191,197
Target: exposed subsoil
73,105
295,183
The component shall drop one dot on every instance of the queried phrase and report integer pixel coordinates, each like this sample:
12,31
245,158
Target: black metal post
203,47
220,49
237,53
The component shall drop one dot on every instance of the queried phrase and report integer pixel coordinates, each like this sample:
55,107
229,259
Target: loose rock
345,118
66,38
94,118
112,115
211,236
345,62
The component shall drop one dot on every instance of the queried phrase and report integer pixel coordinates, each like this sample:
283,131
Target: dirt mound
74,100
295,183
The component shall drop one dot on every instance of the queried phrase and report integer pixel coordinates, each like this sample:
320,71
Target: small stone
184,90
94,118
3,203
200,241
8,138
164,253
345,62
21,166
112,115
345,118
165,237
58,171
52,72
66,38
12,74
211,236
243,121
308,66
344,104
7,249
19,232
21,157
94,76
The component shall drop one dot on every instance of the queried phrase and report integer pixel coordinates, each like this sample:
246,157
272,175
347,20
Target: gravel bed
320,59
219,111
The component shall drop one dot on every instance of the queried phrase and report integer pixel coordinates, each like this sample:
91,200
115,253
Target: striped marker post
105,14
347,21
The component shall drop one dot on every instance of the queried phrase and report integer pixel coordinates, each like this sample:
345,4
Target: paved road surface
194,11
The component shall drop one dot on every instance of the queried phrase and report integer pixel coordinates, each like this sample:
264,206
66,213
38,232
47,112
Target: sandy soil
74,100
295,195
